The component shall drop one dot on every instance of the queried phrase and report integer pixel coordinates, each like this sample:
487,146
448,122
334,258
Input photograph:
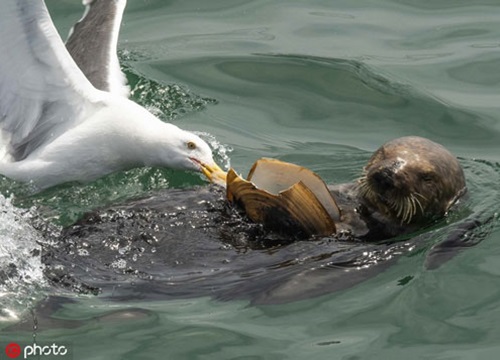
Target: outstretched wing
42,90
93,45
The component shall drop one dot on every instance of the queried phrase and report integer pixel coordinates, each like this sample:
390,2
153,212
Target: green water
322,84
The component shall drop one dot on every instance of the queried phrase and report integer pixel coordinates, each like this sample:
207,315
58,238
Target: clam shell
285,197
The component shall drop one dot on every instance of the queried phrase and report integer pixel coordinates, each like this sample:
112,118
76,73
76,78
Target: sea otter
408,183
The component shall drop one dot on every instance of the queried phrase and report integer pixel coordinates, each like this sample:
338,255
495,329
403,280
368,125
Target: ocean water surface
318,83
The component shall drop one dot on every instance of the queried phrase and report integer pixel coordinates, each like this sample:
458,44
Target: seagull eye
191,145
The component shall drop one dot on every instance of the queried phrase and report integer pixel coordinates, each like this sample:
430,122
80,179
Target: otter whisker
419,203
408,212
399,207
413,205
364,188
404,207
420,195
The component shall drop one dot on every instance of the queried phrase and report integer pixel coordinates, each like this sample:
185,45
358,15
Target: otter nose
384,178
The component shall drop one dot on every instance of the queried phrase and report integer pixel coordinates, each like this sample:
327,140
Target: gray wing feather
42,91
93,43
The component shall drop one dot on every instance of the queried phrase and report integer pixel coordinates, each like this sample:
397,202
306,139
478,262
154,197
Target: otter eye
191,145
427,177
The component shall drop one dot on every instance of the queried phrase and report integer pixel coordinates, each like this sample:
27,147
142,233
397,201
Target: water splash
21,270
221,151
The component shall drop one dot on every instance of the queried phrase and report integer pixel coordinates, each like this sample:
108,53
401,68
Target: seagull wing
93,45
42,91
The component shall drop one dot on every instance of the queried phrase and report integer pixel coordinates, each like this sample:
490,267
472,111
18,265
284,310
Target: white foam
21,269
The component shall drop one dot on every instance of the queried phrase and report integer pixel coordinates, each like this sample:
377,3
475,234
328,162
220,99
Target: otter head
412,180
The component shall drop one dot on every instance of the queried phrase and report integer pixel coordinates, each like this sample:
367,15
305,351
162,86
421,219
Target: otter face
412,180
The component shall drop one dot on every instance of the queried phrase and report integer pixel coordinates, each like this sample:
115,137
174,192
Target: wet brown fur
411,180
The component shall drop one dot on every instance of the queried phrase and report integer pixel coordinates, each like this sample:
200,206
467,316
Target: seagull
58,126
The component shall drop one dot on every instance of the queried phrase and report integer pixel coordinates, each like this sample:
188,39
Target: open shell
285,197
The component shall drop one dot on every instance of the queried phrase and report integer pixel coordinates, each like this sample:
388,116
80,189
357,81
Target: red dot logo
13,350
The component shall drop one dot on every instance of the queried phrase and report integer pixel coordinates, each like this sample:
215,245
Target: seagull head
161,144
190,152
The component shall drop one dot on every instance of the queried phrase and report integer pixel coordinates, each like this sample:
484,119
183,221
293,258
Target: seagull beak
213,172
